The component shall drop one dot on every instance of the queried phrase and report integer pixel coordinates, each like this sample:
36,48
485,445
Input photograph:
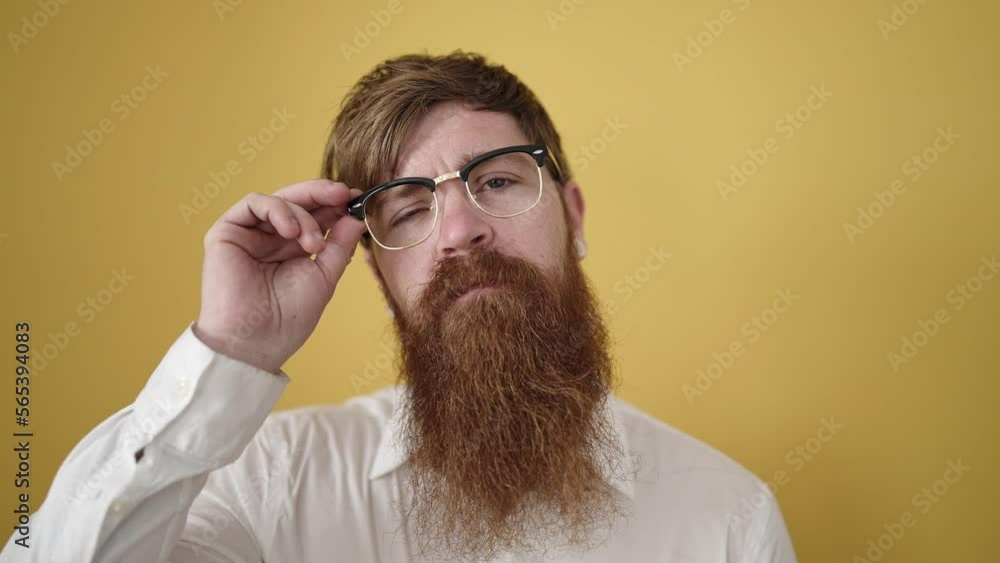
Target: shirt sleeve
772,543
124,492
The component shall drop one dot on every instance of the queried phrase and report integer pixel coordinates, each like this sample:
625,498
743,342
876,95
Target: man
503,442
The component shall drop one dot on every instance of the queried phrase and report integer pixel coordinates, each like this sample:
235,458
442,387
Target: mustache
453,276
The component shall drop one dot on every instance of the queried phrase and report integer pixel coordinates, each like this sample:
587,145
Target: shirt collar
391,453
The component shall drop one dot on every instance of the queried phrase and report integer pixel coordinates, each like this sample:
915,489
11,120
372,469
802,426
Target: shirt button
183,389
118,506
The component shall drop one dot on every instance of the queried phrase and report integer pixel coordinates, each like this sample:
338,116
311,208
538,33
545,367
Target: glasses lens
401,215
506,184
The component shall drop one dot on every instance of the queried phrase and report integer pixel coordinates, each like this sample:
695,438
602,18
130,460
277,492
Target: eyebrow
464,158
468,157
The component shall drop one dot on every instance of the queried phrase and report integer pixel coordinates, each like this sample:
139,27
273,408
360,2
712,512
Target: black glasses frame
356,207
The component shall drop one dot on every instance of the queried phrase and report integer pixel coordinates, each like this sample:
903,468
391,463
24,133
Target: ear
573,200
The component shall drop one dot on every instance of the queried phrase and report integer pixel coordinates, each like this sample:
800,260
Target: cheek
404,276
539,237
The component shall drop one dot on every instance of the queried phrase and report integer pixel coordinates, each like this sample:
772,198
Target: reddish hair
377,113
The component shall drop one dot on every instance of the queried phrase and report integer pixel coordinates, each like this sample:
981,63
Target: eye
407,215
494,183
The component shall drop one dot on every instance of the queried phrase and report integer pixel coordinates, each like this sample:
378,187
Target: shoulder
673,451
364,414
352,429
678,469
337,441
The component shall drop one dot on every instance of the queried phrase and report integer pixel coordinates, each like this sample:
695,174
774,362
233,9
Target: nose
463,227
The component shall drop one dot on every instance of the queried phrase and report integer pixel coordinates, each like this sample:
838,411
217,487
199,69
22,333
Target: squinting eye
407,215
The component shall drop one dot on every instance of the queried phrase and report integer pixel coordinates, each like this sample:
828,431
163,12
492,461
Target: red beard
505,390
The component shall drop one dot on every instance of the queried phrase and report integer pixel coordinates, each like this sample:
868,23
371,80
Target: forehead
447,136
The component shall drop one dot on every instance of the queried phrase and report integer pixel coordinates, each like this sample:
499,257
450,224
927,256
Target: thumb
340,246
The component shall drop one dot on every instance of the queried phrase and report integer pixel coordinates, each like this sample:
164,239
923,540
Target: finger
340,246
327,216
312,194
310,235
256,207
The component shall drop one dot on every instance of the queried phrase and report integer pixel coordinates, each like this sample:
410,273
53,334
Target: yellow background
653,186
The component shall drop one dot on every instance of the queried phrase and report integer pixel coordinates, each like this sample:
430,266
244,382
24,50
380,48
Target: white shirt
222,480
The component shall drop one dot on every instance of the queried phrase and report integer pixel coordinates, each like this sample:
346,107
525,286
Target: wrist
236,348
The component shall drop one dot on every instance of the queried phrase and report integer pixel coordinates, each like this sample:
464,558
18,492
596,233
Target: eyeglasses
504,182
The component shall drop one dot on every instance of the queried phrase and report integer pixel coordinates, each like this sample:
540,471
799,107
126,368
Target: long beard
503,421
